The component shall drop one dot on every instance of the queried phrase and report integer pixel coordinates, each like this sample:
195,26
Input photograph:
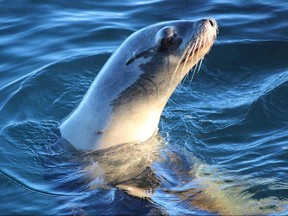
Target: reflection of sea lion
125,101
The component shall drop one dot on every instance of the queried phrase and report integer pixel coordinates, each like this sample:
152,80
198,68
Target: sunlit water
224,135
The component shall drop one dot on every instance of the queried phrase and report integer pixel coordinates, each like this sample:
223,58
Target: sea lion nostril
212,22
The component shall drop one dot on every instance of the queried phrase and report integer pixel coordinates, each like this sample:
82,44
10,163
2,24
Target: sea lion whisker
194,71
177,67
184,78
200,64
197,47
193,74
187,56
186,60
197,67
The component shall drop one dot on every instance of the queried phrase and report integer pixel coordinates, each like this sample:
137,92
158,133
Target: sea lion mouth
202,41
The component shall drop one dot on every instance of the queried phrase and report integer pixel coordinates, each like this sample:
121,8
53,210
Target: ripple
50,95
231,117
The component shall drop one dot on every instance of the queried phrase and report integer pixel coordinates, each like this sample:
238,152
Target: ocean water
225,131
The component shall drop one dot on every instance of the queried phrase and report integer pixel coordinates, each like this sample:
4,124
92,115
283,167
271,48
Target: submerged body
126,99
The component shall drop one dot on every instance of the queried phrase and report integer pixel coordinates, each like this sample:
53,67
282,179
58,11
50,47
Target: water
226,130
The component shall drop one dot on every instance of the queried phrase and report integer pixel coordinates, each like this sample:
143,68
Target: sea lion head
125,101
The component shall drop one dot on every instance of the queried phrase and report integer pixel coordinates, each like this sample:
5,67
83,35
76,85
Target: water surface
226,130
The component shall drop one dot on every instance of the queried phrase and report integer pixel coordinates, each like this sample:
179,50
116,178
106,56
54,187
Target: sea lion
126,99
122,108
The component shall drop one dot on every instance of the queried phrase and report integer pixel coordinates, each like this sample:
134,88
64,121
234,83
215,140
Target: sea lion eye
167,41
165,38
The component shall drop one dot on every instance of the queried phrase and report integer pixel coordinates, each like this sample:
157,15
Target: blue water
232,118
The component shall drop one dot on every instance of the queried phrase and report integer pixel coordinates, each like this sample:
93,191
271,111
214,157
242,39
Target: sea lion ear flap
143,54
131,59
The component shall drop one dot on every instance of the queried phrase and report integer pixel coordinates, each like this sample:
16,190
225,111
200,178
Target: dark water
231,119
